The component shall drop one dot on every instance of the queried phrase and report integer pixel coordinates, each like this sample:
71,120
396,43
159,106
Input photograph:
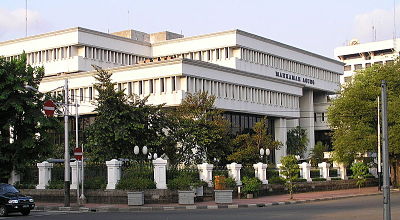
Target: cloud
381,20
13,22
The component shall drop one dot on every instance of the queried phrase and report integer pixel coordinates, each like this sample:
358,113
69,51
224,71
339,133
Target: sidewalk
237,203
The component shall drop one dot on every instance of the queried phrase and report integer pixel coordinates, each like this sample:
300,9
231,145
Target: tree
24,128
360,172
317,153
297,141
353,115
290,170
247,146
200,130
123,122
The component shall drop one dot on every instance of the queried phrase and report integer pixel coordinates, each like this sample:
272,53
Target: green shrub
97,182
55,184
183,182
230,183
336,178
251,185
272,173
20,185
130,183
276,180
369,176
318,179
299,180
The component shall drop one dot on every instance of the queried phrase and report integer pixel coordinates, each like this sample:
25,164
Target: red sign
49,108
78,153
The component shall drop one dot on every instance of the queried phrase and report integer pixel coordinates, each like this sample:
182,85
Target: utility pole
379,150
77,146
66,149
385,155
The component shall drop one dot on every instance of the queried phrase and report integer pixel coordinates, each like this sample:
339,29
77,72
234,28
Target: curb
192,207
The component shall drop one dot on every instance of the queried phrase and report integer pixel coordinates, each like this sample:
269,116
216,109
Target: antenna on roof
26,18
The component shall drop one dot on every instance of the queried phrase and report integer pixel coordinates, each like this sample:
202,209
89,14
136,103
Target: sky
317,26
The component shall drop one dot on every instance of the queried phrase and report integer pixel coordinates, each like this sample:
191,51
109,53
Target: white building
357,56
251,76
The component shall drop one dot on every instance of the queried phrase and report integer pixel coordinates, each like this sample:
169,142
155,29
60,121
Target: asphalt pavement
363,207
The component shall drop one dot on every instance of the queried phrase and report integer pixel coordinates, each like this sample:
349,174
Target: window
358,66
151,86
162,88
119,86
81,94
367,65
347,79
140,87
226,52
173,83
90,93
129,88
347,68
217,54
389,62
323,116
315,117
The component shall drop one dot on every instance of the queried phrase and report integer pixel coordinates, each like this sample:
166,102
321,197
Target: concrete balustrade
44,174
260,171
113,173
234,172
205,173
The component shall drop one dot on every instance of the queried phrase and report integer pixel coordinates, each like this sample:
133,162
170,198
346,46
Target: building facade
251,76
358,56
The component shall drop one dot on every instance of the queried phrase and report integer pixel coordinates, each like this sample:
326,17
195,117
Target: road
363,208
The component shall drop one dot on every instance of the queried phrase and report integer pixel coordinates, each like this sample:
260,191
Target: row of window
242,93
141,87
287,65
207,55
112,56
46,55
366,65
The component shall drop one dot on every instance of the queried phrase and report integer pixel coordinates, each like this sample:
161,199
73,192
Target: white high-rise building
357,56
251,76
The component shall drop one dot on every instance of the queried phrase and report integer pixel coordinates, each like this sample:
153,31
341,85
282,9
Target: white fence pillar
76,180
44,174
325,170
160,173
342,171
234,172
279,165
14,177
113,173
260,171
205,172
306,169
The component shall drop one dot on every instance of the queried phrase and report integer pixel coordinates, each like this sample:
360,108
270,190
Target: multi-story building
357,56
251,76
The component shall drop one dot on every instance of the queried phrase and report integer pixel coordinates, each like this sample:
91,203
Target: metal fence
174,172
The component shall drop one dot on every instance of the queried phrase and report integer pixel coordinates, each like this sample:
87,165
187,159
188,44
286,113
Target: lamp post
267,152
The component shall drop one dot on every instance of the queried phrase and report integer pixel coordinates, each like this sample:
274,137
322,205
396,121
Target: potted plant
224,189
185,186
251,186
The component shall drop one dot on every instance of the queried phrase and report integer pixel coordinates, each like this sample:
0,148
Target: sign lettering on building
295,78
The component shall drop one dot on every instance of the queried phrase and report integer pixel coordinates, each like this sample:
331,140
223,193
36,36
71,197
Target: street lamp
267,152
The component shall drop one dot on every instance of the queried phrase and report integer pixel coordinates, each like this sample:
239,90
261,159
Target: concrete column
307,117
113,173
14,177
280,135
75,181
279,165
234,172
205,172
44,174
325,170
305,170
260,170
160,173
